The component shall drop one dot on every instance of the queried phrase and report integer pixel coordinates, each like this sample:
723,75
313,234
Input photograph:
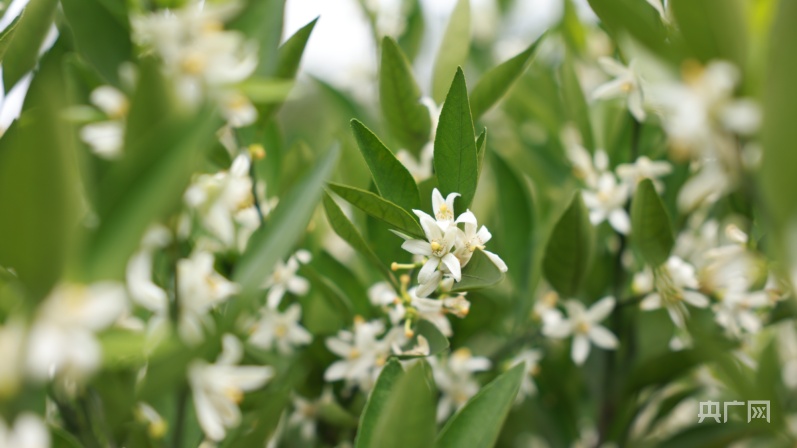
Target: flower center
444,213
234,394
281,330
193,63
582,327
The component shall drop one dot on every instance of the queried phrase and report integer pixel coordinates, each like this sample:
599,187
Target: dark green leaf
336,299
454,49
376,403
479,423
650,225
496,82
481,148
480,272
27,37
286,224
379,208
392,179
346,230
455,159
569,250
407,119
576,104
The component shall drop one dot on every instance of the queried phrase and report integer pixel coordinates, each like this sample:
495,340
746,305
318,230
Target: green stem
179,420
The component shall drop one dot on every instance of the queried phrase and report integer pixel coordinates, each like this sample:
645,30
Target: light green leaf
377,400
285,225
455,159
261,20
406,118
480,272
38,184
454,49
569,250
346,230
412,37
406,419
496,82
650,225
27,37
290,53
713,29
576,103
478,424
516,227
89,19
379,208
637,18
266,90
392,179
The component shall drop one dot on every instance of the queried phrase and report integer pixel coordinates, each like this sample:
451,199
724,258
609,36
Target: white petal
428,270
651,302
496,261
417,247
452,263
337,371
428,287
275,295
696,299
620,221
601,309
580,349
602,337
298,286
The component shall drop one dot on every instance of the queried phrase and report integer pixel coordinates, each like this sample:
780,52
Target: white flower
304,416
736,312
626,83
471,239
675,282
12,352
443,208
585,167
454,378
710,183
219,198
531,359
437,249
62,339
644,168
582,324
787,348
421,168
285,279
607,202
383,295
545,308
142,289
280,329
363,354
421,348
218,388
29,431
199,289
106,138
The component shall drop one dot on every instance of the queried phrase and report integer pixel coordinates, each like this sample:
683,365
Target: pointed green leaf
22,50
412,37
285,225
261,21
516,227
569,250
346,230
576,103
375,405
480,272
290,53
392,179
496,82
454,49
479,422
399,96
650,225
407,417
455,159
89,19
379,208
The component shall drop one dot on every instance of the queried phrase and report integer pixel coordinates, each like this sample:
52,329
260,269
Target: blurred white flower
280,329
737,309
454,378
421,167
582,325
142,289
12,351
607,202
587,168
437,249
285,279
62,338
106,138
156,425
545,309
531,359
363,354
787,348
470,239
28,431
199,289
626,84
675,284
644,168
304,415
218,388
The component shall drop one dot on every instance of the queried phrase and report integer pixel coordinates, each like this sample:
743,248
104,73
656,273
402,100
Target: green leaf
261,20
406,417
455,159
375,405
407,119
650,225
637,18
569,250
346,230
454,48
379,208
411,39
479,422
481,147
480,272
27,37
713,29
89,19
779,132
290,53
576,104
38,184
392,179
336,299
266,90
516,227
496,82
285,225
